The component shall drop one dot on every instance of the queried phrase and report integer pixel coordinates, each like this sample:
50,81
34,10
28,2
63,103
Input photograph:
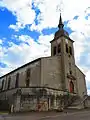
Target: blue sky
27,26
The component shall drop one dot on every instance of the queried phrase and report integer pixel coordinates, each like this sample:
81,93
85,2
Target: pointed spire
61,25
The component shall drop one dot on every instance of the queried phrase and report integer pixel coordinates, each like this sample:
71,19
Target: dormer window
59,48
54,50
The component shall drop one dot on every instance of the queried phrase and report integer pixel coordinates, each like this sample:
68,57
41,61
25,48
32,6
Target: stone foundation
38,99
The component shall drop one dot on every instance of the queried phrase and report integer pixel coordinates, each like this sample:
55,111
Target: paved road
82,115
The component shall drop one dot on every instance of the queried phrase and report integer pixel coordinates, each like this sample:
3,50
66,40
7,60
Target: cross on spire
60,25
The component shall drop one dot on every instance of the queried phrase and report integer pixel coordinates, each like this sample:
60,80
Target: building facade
46,83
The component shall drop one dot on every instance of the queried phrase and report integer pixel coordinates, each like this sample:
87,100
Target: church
47,83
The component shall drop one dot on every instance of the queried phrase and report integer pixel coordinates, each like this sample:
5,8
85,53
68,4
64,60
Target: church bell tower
62,46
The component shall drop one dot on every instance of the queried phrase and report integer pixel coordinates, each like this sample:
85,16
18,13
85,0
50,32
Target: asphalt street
81,115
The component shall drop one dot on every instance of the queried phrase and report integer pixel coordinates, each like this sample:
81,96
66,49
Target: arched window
9,81
59,48
70,72
54,50
70,50
28,77
28,73
2,84
71,87
66,48
17,81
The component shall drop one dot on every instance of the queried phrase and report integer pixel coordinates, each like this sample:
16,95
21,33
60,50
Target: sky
28,26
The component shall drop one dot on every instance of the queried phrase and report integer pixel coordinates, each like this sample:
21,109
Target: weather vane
60,6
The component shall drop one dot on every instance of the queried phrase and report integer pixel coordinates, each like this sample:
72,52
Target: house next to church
46,83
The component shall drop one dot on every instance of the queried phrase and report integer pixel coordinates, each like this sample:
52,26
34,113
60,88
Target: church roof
61,35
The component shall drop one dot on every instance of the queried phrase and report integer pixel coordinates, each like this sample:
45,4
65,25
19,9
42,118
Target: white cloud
88,91
88,75
16,56
79,44
49,15
17,26
1,3
5,70
22,9
49,12
2,52
80,25
0,41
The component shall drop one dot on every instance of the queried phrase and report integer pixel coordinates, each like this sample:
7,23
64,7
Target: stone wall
81,83
34,76
35,79
51,72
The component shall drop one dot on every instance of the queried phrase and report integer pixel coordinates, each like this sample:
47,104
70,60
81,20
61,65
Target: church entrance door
71,87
